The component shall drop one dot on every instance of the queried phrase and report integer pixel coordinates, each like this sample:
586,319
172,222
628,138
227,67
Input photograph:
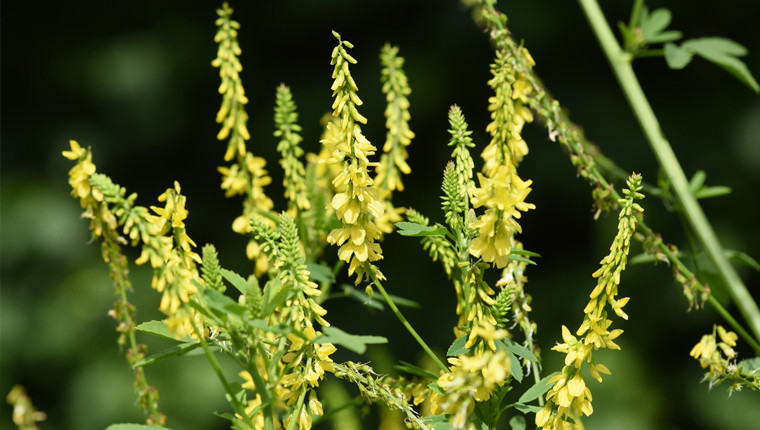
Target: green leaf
522,259
435,419
741,258
414,229
437,388
517,371
518,349
320,273
415,370
750,366
355,343
457,348
174,351
676,56
723,52
275,295
362,297
697,181
134,427
158,328
716,191
517,422
223,304
714,47
527,409
653,23
519,251
236,280
538,389
279,329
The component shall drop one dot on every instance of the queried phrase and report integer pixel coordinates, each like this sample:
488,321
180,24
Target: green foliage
647,28
273,327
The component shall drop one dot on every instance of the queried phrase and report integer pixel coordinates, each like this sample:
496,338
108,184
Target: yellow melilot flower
471,379
502,192
569,396
357,202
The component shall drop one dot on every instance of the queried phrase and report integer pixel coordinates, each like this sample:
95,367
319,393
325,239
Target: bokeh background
133,80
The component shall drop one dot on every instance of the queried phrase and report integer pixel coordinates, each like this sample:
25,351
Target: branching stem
621,66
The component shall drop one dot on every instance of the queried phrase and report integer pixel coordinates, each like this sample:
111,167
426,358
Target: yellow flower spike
357,203
595,329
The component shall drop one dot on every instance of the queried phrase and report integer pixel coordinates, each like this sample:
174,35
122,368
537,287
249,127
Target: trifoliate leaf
654,24
414,229
718,50
355,343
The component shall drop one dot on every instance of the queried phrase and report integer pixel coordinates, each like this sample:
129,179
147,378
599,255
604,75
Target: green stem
620,62
403,320
218,370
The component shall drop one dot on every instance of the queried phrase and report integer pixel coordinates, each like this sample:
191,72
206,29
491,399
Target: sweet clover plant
271,320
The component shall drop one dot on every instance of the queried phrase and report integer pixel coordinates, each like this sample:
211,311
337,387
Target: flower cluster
399,136
715,352
471,379
502,192
569,394
357,203
25,415
287,130
95,193
248,176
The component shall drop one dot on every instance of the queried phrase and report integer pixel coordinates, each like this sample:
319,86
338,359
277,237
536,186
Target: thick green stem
621,65
403,320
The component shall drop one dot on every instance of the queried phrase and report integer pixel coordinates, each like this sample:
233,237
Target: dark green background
133,81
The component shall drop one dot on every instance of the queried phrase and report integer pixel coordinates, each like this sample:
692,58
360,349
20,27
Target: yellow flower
79,175
471,379
357,202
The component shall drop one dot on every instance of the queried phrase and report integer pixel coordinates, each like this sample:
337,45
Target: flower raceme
502,192
569,395
357,203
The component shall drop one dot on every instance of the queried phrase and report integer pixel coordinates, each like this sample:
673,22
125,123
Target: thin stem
218,370
667,159
404,321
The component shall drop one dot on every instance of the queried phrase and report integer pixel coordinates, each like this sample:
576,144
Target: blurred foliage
133,81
